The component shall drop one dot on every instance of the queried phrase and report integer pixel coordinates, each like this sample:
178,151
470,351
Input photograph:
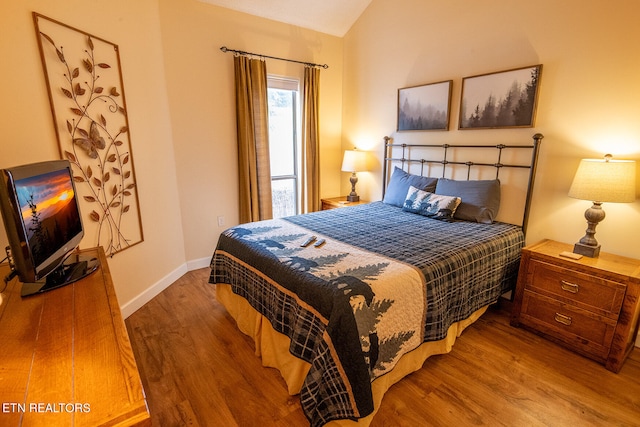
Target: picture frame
506,99
86,95
425,107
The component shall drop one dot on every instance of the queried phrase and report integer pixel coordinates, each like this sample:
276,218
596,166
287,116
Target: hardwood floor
199,370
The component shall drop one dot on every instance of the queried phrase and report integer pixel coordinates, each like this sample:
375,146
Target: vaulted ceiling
333,17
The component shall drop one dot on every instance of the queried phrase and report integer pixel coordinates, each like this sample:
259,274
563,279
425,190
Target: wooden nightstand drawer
589,305
586,291
580,329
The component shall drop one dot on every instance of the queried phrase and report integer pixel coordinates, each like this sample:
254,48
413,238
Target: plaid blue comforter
345,305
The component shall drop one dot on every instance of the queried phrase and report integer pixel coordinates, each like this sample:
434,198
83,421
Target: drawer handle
561,318
569,287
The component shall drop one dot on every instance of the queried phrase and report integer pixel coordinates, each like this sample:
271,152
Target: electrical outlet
220,221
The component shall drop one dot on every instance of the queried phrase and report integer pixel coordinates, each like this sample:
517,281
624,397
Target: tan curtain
253,139
311,140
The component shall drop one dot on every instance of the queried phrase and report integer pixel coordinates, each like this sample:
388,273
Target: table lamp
354,161
601,180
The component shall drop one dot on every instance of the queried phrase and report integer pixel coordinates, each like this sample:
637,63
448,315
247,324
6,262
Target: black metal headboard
445,153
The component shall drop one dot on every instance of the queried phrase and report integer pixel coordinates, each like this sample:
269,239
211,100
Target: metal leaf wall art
86,93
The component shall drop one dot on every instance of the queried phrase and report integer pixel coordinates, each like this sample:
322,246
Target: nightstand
589,305
339,202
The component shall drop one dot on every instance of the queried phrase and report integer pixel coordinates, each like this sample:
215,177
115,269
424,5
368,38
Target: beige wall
588,101
180,101
201,98
178,88
27,127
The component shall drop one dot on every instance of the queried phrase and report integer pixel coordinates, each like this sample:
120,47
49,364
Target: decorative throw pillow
400,182
430,204
481,199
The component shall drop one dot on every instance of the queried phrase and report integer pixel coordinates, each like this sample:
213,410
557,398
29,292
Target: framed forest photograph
424,107
506,99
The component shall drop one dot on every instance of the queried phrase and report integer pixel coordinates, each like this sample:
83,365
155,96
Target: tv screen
42,219
49,213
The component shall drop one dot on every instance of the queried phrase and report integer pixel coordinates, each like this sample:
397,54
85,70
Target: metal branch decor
86,94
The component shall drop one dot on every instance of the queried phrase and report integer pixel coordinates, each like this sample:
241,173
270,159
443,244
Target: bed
394,282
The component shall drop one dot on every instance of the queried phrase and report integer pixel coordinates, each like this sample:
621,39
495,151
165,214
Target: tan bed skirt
273,348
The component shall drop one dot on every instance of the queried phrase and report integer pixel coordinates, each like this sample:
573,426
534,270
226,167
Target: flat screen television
42,219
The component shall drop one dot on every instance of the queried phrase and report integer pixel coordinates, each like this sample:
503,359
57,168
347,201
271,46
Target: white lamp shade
601,180
354,161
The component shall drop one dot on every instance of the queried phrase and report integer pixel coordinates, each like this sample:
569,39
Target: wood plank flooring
199,370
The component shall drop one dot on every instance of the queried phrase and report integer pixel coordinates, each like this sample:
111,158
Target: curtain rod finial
224,49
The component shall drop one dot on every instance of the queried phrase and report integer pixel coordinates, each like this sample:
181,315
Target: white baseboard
130,307
198,263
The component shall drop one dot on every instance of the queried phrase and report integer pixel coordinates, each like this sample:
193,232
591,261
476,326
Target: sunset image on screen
49,211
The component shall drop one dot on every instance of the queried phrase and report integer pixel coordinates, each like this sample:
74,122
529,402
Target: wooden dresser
590,305
66,359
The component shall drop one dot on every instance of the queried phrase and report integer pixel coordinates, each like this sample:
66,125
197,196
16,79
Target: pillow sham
430,204
481,198
400,182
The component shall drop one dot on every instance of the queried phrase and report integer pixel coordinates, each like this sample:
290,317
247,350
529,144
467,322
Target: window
283,94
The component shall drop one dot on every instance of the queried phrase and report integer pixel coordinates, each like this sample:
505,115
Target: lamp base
353,196
588,245
586,250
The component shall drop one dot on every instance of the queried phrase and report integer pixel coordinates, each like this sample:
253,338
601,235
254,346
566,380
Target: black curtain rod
242,52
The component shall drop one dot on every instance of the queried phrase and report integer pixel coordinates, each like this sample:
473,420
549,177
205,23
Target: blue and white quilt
384,282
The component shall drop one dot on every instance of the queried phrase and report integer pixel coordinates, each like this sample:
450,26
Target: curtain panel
311,140
253,139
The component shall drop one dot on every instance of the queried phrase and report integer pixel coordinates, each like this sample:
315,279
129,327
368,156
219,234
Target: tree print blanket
384,282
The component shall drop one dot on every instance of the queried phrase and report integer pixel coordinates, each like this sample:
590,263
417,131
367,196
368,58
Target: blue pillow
432,205
480,199
400,182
